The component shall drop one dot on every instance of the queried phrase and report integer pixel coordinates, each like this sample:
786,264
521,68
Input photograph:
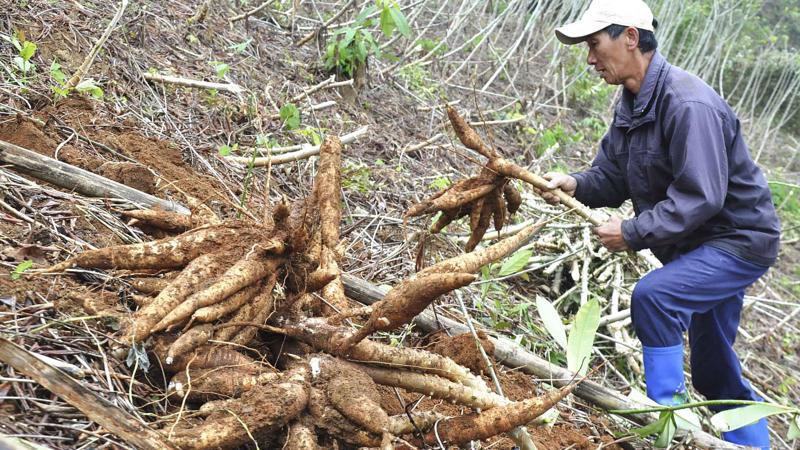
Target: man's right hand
567,183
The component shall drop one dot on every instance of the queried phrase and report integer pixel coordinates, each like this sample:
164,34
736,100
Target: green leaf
290,116
654,427
224,150
670,427
400,21
794,428
220,68
486,274
56,74
240,47
90,86
581,337
20,269
387,22
731,419
515,263
28,50
552,321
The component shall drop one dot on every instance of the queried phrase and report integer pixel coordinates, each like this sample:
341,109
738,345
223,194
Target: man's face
608,56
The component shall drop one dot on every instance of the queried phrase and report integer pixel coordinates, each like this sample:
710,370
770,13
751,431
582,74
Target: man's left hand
610,234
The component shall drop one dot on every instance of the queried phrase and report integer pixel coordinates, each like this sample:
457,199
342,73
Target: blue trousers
700,292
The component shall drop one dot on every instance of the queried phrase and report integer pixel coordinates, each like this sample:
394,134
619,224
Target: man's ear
631,38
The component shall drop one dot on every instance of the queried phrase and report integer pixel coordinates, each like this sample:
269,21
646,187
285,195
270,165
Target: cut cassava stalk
96,408
405,301
512,170
256,413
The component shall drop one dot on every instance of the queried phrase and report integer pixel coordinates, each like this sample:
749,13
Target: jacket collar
643,110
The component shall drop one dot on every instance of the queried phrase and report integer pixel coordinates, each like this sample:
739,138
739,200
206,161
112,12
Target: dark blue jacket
676,150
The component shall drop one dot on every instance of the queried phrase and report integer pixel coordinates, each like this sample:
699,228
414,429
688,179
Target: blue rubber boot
755,435
663,374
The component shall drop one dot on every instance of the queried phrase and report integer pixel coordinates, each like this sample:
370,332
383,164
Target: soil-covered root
480,220
232,303
400,424
210,357
168,253
202,385
327,190
513,198
191,278
302,435
165,220
258,412
243,273
353,393
472,262
263,308
502,419
152,285
317,333
188,341
434,386
467,135
405,301
330,419
453,198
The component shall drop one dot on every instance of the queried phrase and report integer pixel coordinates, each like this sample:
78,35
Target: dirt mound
463,350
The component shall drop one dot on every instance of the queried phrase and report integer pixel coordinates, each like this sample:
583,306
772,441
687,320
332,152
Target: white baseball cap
602,13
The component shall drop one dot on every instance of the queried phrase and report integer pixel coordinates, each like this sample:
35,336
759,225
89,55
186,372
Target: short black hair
647,39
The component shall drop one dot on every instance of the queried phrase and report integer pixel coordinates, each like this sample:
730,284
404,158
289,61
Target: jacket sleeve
697,150
603,184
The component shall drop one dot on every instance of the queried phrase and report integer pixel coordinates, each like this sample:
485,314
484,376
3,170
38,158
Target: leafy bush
347,52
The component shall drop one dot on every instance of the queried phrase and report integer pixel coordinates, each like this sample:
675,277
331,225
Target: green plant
21,64
240,47
290,116
220,68
349,48
20,269
225,149
357,176
417,78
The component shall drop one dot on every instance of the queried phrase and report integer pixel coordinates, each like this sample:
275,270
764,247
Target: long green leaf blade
731,419
552,321
581,337
515,263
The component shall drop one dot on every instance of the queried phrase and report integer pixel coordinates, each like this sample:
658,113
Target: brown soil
463,350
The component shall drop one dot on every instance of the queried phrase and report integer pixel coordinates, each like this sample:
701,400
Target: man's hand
610,234
567,183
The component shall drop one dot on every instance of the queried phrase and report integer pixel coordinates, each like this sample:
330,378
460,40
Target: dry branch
95,408
169,79
84,67
82,181
306,152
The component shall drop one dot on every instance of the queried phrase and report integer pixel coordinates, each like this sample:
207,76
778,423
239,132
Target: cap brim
577,32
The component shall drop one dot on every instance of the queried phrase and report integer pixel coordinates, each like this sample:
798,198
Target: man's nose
590,59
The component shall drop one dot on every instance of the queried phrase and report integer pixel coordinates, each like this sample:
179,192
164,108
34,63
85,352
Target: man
676,150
